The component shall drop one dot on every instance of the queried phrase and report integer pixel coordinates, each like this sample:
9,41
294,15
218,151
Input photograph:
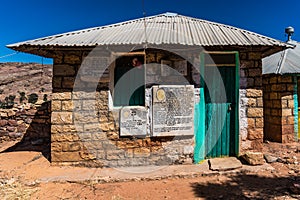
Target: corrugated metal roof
167,28
283,62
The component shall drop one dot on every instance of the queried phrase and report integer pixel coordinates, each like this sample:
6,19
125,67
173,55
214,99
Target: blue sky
23,20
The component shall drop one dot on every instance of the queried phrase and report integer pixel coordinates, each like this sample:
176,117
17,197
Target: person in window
138,96
136,63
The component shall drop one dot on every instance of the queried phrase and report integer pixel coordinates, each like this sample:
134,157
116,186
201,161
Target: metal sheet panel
284,62
160,29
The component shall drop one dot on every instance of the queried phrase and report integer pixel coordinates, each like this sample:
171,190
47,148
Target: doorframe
200,133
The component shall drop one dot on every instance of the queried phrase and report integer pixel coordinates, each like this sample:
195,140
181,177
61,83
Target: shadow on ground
243,186
38,134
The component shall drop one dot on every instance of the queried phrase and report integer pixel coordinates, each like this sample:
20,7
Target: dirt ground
280,181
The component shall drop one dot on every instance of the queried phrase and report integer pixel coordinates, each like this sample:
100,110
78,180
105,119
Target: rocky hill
20,81
25,94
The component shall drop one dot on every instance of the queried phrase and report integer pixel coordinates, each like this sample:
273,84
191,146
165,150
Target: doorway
218,127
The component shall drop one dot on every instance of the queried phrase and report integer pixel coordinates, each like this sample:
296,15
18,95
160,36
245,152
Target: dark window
129,81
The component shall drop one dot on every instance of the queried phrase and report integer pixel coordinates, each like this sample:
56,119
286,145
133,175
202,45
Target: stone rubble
253,158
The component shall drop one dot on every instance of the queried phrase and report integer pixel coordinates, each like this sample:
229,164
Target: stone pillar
279,108
66,144
251,102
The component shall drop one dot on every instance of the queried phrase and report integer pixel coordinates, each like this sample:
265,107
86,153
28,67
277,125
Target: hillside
25,91
25,78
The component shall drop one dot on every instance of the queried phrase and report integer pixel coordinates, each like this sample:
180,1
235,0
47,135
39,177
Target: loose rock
270,159
253,158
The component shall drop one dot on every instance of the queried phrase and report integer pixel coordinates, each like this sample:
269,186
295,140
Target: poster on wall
173,110
133,121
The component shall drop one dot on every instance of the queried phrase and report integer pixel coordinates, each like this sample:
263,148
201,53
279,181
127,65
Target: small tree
42,89
45,98
32,98
22,96
8,102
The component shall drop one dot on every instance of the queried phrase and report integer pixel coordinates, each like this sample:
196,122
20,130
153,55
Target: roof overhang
155,31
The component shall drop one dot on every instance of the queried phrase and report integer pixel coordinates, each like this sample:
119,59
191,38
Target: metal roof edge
140,19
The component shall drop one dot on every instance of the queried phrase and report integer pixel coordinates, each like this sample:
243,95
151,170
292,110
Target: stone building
159,90
281,91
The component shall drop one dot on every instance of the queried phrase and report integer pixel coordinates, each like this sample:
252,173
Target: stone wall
85,127
25,91
251,102
279,108
28,126
85,131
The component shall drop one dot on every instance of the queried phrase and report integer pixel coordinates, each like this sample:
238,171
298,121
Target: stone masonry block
255,134
84,95
290,87
274,95
291,103
256,72
63,70
85,117
287,96
72,128
56,105
284,121
255,112
89,105
273,80
99,136
259,122
65,137
276,104
247,64
287,112
141,152
66,156
61,96
288,138
251,122
286,79
56,146
254,55
258,81
71,146
68,82
67,105
61,118
284,103
290,120
56,82
267,111
57,58
251,102
56,129
254,93
260,102
71,58
91,127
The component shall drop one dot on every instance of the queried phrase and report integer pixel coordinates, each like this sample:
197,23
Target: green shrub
22,96
32,98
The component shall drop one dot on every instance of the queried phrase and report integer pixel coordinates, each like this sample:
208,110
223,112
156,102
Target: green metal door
220,93
217,124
